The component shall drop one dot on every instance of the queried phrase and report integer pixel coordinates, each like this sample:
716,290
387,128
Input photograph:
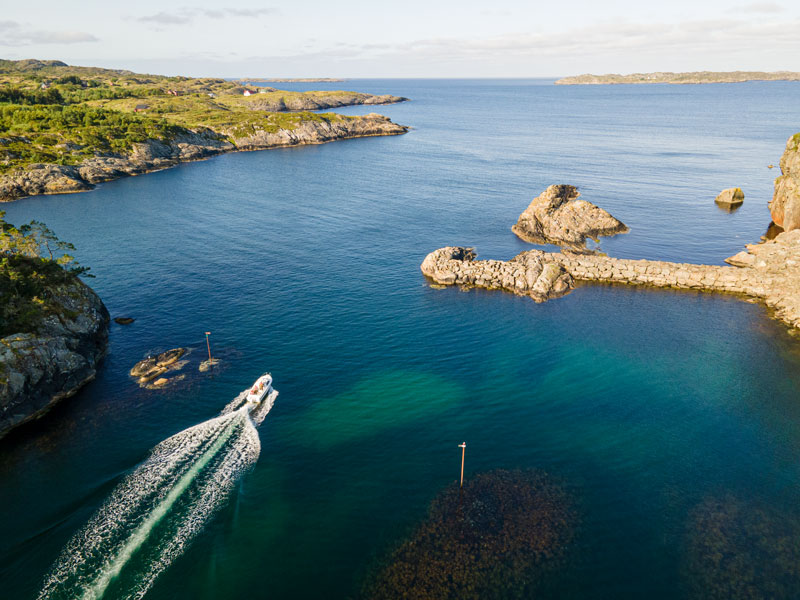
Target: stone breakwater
769,272
532,273
155,155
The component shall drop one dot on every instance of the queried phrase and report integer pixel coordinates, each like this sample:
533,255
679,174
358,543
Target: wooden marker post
463,446
208,333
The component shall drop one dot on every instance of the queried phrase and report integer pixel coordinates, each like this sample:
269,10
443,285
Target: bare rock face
556,216
785,205
533,273
730,197
38,370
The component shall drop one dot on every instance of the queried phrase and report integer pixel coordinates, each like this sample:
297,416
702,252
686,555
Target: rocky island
65,129
768,271
54,328
690,77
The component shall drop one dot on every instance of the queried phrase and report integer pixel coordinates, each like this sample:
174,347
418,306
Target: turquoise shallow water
305,262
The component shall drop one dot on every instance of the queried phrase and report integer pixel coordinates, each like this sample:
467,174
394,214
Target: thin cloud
15,34
689,36
185,15
165,18
764,8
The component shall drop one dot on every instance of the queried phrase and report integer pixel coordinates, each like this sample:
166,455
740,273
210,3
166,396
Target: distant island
288,80
692,77
65,128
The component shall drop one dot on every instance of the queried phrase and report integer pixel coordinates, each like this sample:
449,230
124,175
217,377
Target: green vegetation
33,263
68,134
54,113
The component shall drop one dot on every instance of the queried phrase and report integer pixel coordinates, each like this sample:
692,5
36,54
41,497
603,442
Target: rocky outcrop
730,197
533,273
37,370
785,205
318,101
152,367
155,155
769,272
556,216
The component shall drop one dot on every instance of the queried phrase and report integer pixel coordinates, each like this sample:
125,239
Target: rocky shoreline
39,370
768,272
155,155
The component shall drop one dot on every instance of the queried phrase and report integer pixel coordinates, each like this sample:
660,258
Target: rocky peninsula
680,78
273,100
768,271
65,129
39,369
184,146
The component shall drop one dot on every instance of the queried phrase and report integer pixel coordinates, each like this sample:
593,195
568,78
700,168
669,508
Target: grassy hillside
54,113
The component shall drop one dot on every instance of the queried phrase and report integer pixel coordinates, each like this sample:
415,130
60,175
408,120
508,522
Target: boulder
556,216
730,197
206,365
124,320
785,204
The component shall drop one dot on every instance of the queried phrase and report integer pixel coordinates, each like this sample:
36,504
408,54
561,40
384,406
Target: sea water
305,262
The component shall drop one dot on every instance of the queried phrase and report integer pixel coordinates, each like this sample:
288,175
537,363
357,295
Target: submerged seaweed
741,551
498,537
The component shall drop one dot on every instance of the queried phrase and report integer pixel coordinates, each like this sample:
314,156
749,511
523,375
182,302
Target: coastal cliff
187,145
785,204
39,369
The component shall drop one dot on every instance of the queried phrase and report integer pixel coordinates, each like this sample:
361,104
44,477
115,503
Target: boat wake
155,512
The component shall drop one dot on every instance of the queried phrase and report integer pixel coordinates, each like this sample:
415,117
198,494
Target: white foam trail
156,511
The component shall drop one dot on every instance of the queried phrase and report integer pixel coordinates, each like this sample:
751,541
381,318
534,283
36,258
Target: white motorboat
260,389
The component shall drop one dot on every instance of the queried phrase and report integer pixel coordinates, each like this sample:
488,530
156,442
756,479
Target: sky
408,38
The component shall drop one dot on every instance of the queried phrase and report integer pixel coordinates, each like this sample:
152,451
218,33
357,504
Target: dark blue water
305,262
